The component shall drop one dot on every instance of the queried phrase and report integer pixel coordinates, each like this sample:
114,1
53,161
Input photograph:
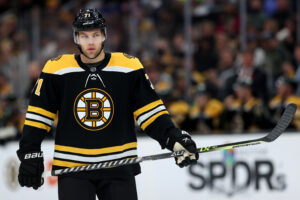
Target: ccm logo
33,155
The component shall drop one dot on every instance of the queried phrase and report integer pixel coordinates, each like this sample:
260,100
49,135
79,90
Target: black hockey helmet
87,19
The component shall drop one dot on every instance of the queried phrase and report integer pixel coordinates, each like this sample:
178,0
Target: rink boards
269,172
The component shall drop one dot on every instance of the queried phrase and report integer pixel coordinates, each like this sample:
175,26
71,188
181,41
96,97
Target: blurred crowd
228,88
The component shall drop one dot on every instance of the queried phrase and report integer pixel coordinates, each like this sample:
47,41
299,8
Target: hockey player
98,96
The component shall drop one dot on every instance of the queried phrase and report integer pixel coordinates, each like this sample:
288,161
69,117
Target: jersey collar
93,66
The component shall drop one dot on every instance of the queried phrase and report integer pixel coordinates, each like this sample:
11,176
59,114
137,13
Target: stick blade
283,123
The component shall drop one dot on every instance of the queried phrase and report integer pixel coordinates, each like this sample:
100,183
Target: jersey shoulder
62,64
122,62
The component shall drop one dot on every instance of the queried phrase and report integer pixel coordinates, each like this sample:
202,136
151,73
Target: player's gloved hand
181,141
31,169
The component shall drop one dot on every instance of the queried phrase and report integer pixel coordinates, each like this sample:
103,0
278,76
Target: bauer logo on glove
33,155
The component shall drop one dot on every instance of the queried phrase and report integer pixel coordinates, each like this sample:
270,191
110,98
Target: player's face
91,42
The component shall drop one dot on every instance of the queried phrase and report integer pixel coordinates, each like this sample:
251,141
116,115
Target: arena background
225,69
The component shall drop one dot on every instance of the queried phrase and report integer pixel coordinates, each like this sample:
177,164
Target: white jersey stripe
118,69
39,118
69,70
145,116
94,159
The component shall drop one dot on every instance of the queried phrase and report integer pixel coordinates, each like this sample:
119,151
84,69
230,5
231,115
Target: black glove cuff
174,135
30,155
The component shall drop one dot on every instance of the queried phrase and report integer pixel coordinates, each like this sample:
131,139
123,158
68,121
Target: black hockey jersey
97,108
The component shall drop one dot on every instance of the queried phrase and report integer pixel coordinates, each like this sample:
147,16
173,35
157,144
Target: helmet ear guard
75,37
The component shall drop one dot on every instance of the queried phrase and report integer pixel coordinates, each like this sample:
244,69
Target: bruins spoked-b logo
93,109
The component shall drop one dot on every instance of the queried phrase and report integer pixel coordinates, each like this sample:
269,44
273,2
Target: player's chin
89,55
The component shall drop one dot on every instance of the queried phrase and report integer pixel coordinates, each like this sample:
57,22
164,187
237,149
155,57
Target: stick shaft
280,127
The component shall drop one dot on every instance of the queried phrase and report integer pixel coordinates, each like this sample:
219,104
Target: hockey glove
31,169
181,141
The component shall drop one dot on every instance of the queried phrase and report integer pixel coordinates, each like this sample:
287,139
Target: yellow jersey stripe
67,163
37,125
151,119
96,151
41,111
147,107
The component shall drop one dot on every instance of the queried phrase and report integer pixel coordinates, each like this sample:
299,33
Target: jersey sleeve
149,111
41,112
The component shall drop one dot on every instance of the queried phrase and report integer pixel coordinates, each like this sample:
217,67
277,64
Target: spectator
179,89
248,72
259,53
297,63
275,55
5,87
256,16
285,95
288,70
243,112
283,12
226,65
221,42
287,35
204,115
213,83
8,25
34,71
179,111
205,56
10,119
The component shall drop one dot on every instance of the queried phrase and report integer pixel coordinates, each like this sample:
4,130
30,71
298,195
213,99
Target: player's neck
99,58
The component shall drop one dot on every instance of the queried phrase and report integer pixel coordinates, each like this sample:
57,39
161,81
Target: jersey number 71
38,87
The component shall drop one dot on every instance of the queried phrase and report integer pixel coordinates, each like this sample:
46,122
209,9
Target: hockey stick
280,127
